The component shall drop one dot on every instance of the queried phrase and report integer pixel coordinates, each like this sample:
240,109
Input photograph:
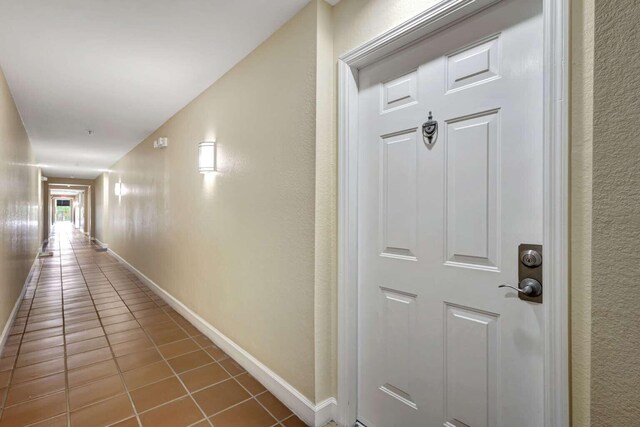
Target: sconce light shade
118,189
207,157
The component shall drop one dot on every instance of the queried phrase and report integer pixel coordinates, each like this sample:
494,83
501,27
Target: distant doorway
63,210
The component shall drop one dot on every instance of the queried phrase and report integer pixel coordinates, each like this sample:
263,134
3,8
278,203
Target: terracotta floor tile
95,392
117,319
178,348
293,422
168,336
122,326
147,313
90,373
125,336
70,286
247,414
179,413
81,326
190,361
59,421
204,376
45,324
44,333
203,341
14,339
40,344
148,374
156,394
103,413
220,396
138,359
216,353
6,363
88,358
78,311
142,306
190,330
10,350
113,312
84,335
34,410
4,378
19,393
232,366
273,405
129,347
131,422
33,318
250,383
38,370
87,345
110,305
39,356
158,319
70,319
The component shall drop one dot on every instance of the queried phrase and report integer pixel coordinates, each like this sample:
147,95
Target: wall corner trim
312,414
4,336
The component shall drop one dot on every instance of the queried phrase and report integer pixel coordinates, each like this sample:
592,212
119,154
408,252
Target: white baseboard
312,414
7,327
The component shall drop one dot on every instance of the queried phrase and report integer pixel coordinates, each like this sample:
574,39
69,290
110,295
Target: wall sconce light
207,157
118,189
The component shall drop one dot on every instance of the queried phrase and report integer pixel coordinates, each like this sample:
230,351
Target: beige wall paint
326,218
238,246
358,21
101,204
19,204
615,344
581,199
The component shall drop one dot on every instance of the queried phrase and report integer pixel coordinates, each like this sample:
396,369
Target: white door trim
556,195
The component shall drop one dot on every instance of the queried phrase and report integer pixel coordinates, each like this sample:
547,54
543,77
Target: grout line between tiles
133,406
165,359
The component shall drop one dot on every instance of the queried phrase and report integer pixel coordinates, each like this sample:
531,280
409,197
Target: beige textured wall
326,218
615,344
357,21
19,204
238,246
101,204
581,215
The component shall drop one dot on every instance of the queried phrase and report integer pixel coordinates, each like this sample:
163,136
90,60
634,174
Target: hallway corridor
93,346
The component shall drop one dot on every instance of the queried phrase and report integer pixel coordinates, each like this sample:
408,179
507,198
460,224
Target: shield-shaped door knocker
430,131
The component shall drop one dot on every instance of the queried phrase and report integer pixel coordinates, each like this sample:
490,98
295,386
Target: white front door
439,225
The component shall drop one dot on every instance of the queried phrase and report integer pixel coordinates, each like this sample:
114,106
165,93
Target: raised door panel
472,208
471,349
398,210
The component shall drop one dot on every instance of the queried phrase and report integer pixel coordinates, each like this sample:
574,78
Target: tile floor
93,346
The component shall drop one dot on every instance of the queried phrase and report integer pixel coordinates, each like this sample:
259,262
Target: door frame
555,194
